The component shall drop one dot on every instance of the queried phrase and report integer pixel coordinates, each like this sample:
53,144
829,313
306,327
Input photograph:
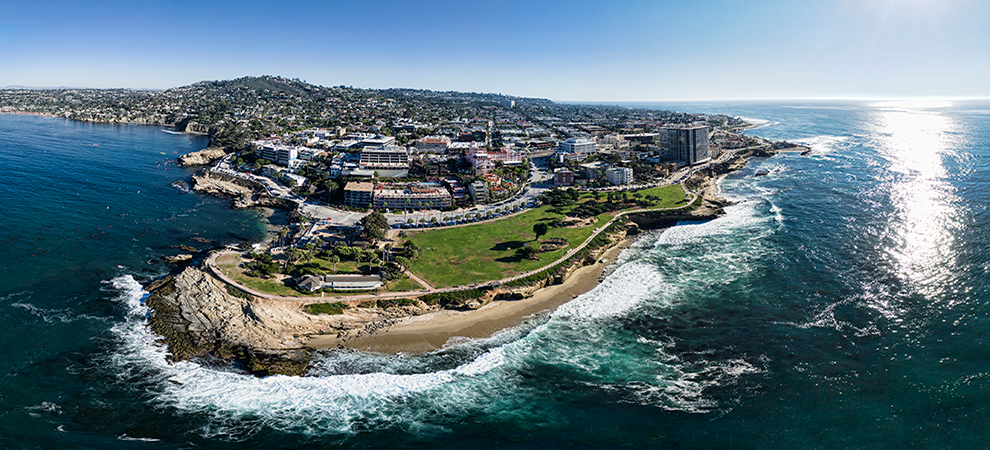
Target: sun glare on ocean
913,104
916,141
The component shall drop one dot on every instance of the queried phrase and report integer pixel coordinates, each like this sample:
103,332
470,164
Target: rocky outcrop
190,125
197,315
203,157
178,259
245,193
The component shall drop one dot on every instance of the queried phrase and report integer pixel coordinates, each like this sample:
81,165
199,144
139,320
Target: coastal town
391,204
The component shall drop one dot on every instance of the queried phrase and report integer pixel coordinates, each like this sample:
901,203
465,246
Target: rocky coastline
243,192
203,157
199,316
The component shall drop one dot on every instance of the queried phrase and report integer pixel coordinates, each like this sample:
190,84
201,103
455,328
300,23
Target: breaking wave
350,392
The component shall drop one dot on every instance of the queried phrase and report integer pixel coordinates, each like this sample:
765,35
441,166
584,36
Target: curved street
354,299
346,217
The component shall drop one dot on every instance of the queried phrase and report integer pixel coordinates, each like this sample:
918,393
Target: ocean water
842,302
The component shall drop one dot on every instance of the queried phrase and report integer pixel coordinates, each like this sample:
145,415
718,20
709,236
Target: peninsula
403,219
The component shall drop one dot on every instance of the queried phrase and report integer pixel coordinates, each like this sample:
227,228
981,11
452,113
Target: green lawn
268,286
343,267
486,252
670,196
229,265
476,253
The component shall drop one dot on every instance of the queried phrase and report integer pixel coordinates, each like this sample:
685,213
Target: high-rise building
688,145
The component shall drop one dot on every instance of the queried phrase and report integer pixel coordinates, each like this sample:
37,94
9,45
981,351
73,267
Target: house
309,283
352,282
314,283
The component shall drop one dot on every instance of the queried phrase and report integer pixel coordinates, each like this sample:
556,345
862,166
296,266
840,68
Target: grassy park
230,264
485,252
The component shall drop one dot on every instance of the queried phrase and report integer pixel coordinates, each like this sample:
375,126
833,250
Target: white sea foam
824,144
54,315
627,286
353,391
681,386
44,407
331,403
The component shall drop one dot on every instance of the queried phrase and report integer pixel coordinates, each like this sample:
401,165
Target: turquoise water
841,303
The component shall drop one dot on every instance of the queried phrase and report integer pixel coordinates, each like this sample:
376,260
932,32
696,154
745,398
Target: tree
375,225
293,254
540,228
527,252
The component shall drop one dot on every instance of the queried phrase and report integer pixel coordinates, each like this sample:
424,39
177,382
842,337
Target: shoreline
279,337
433,330
104,122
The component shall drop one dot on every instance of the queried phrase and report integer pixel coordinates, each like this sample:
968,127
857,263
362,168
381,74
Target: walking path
353,299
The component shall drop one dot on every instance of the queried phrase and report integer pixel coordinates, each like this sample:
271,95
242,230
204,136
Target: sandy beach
431,331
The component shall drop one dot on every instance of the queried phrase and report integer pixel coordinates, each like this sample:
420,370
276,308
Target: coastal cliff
198,316
203,157
245,193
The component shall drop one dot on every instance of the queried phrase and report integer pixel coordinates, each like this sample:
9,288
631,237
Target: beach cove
416,328
819,311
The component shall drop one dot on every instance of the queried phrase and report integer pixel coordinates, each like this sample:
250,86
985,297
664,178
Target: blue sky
573,50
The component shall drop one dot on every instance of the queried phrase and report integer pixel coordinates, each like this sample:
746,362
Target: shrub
455,298
390,302
239,293
325,308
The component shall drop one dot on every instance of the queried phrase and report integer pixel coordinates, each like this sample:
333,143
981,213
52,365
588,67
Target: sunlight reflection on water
917,142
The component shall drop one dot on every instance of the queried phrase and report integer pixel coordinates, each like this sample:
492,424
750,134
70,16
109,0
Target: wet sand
431,331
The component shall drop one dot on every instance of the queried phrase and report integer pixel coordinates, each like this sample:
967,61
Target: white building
278,154
309,154
389,162
411,197
378,141
619,175
479,192
580,146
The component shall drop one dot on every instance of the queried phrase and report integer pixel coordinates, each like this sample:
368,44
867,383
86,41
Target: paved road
680,178
355,299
